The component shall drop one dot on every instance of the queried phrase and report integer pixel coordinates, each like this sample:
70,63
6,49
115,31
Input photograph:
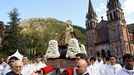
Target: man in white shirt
38,64
1,70
106,62
27,69
93,67
3,63
98,62
113,68
128,68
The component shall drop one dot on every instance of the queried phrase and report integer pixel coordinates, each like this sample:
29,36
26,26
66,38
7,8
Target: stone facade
111,34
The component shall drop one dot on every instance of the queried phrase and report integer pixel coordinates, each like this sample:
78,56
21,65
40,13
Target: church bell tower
91,24
117,28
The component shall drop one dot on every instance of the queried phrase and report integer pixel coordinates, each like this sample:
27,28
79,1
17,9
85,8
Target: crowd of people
83,65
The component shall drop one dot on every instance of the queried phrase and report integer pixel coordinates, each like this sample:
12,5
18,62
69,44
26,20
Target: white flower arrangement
73,48
83,49
52,51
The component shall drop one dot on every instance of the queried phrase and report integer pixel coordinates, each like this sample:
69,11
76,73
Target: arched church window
87,25
108,53
91,52
111,17
103,53
115,15
90,24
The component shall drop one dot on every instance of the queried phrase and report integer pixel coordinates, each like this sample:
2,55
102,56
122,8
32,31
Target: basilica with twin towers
111,35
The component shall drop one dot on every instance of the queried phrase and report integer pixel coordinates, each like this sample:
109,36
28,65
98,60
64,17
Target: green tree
12,40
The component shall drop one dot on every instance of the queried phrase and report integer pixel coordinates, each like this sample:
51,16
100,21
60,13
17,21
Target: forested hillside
36,32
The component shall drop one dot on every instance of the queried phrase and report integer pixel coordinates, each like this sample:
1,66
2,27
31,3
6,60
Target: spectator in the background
44,60
72,69
106,62
99,60
12,60
27,68
3,63
10,64
16,68
88,61
1,70
81,68
113,68
93,67
80,56
38,64
128,68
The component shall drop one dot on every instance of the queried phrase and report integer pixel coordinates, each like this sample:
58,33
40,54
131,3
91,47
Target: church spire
91,14
112,4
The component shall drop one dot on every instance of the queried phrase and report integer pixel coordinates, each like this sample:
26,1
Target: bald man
17,68
82,67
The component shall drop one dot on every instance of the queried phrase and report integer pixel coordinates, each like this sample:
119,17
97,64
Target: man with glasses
16,68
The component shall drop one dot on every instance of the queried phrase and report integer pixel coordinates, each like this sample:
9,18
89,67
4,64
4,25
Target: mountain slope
36,32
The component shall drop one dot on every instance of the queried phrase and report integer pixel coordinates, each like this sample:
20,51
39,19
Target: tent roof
17,54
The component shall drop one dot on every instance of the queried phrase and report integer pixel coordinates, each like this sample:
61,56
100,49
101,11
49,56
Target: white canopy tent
16,54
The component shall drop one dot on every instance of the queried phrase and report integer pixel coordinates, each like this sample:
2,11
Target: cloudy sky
63,10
